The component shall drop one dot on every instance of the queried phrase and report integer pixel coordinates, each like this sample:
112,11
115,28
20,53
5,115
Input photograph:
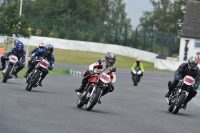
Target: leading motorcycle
180,93
35,75
93,90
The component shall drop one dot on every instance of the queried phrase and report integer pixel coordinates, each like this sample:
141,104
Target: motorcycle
136,74
35,75
179,94
93,90
10,67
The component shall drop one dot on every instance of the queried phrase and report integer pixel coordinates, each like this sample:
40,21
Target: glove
111,87
19,64
92,72
3,57
196,86
50,68
33,59
131,72
177,77
141,74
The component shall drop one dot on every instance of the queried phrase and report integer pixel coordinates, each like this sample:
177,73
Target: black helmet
49,47
110,58
192,62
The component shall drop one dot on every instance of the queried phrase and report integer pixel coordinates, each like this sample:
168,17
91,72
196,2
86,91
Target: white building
190,37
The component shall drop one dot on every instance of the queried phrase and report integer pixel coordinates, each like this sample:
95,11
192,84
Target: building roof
191,22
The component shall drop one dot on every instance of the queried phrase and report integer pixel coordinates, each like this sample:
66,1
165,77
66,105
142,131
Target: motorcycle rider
47,53
18,51
106,64
184,69
138,64
41,46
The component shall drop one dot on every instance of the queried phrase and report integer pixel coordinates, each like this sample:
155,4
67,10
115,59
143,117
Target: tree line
87,20
166,17
102,21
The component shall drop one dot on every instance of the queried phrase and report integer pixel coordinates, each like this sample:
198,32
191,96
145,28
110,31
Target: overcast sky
134,9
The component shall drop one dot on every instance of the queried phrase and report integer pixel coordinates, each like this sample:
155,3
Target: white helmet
41,45
192,62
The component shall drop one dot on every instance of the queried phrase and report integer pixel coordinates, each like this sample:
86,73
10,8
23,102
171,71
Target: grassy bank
86,58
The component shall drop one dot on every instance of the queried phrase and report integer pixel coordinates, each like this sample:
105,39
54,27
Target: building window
197,44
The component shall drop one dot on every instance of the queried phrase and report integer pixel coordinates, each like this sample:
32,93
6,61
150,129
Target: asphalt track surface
129,109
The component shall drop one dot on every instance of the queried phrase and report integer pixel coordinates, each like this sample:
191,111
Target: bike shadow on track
12,83
178,114
40,91
95,111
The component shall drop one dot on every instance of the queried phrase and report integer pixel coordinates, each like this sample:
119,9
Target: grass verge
86,58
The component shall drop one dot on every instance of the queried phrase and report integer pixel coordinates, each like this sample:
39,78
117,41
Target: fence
154,41
6,43
144,39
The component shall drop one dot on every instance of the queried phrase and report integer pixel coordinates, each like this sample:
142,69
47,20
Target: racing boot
99,101
168,94
3,67
40,82
170,88
25,76
184,105
15,74
80,89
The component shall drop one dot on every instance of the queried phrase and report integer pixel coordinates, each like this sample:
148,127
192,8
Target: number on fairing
13,58
44,63
188,80
105,78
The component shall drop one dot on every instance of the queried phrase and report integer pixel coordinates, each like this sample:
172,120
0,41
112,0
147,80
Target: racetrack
129,109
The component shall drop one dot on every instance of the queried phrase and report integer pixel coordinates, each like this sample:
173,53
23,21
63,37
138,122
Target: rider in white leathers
106,65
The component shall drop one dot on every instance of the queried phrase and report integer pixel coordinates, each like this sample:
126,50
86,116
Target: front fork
4,71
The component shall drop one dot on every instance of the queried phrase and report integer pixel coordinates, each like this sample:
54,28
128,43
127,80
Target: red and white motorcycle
35,75
10,67
93,90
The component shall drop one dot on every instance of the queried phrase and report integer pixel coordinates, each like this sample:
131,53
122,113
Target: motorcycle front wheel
178,103
79,103
7,73
135,80
32,83
93,99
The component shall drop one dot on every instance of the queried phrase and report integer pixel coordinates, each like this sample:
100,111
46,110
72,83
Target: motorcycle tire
170,109
7,73
135,80
93,100
179,103
35,80
79,103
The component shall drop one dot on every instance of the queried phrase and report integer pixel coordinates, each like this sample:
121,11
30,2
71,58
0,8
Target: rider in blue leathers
41,46
45,53
20,53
